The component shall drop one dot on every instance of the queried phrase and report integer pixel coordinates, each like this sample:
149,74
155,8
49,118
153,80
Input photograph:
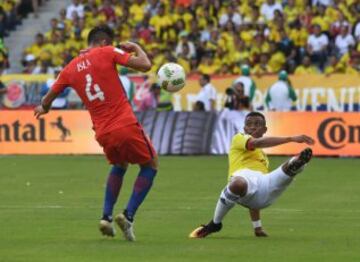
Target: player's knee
153,163
238,186
122,165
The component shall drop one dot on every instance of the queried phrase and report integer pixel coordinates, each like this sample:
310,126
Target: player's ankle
107,218
128,216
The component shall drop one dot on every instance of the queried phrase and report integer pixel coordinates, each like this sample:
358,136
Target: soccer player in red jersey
94,77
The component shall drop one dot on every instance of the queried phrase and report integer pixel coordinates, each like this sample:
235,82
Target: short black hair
206,77
100,33
254,113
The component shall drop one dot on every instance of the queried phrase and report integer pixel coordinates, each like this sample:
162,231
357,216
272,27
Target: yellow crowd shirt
242,158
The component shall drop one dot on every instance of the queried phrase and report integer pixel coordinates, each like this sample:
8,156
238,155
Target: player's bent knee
238,186
153,163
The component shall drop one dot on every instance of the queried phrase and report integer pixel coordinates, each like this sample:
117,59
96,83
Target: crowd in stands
11,14
213,36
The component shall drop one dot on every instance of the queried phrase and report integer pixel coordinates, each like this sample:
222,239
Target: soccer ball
171,77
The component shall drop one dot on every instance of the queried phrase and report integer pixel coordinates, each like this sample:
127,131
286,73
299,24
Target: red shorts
127,144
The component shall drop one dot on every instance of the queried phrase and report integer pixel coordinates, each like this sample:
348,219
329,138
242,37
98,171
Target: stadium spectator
317,45
268,9
340,22
184,41
334,66
3,28
145,30
277,59
4,61
150,99
76,7
152,7
164,101
207,94
36,48
162,23
184,59
281,94
263,67
248,83
207,65
321,19
108,10
306,67
3,91
344,40
236,99
357,31
353,66
43,68
29,64
231,15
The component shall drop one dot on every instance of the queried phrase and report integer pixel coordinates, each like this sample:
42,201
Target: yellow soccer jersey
241,158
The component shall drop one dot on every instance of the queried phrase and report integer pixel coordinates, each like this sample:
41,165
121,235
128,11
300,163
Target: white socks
226,202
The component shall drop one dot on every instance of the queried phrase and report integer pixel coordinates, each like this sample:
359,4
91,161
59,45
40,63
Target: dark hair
100,33
254,113
200,106
206,77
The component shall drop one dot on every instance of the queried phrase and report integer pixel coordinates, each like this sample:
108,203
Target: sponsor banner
338,93
70,132
336,134
59,132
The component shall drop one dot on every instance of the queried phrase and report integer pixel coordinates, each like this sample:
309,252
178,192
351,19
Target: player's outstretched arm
263,142
46,102
140,60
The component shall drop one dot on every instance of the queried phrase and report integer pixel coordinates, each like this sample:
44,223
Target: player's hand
39,111
129,46
259,232
303,139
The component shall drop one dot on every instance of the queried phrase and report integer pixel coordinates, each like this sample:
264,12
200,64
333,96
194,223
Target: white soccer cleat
106,228
126,227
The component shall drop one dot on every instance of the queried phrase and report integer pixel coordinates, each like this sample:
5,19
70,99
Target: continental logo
19,131
333,133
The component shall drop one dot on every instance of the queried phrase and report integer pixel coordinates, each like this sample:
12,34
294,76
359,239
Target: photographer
236,99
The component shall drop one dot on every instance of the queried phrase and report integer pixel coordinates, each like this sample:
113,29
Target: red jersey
94,77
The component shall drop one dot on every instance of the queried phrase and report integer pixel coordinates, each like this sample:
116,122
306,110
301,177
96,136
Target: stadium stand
12,13
211,36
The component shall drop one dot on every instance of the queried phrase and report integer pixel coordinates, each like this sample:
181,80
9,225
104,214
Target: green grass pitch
50,206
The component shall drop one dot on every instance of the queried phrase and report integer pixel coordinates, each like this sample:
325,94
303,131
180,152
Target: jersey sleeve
118,55
240,141
61,82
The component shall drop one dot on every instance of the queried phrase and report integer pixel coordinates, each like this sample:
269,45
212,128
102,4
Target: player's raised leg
280,178
228,197
113,186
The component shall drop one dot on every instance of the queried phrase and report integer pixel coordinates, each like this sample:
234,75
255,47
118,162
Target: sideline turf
50,206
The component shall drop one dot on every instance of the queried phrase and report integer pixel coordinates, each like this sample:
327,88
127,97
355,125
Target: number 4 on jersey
97,94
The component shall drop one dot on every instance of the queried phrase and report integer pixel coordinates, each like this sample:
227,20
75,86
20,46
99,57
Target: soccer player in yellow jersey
250,182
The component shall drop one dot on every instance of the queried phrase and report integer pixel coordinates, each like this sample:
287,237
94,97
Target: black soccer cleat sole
296,165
